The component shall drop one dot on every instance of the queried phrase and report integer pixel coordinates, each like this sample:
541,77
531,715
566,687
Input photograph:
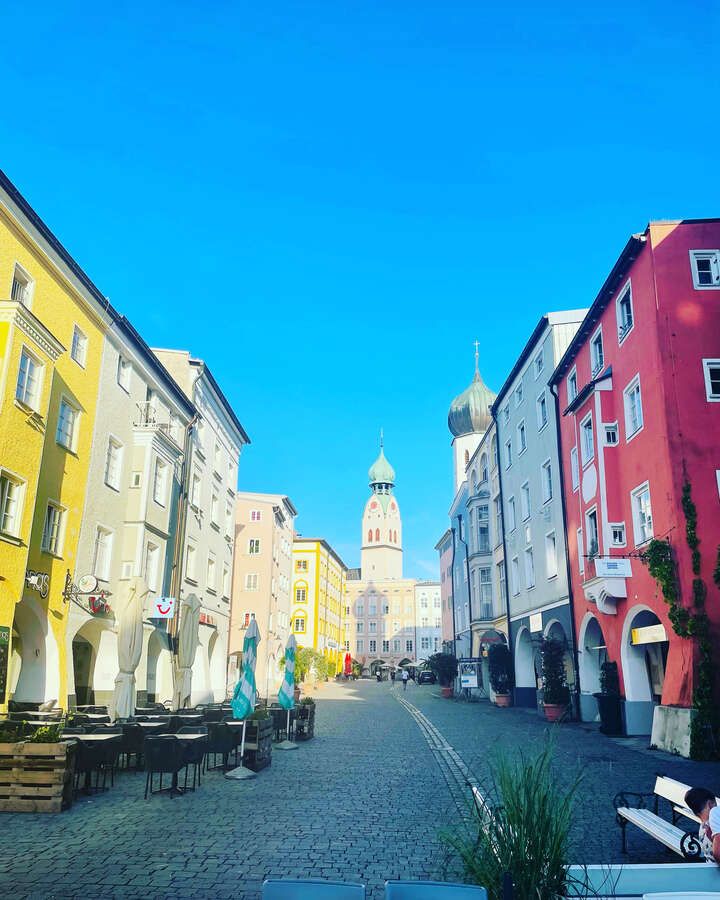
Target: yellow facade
317,599
51,342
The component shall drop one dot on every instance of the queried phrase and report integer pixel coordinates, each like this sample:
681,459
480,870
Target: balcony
605,582
149,418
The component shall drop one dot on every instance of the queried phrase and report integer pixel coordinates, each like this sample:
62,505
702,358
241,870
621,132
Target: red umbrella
348,664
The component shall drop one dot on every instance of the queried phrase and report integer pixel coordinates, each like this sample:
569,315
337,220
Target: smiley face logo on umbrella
164,607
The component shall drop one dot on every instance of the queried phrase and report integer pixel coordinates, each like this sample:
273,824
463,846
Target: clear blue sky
329,202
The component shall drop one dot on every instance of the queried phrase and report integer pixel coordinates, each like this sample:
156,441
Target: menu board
4,655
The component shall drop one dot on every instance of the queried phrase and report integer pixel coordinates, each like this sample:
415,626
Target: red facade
643,424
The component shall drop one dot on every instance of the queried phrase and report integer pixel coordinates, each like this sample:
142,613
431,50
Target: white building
208,517
428,625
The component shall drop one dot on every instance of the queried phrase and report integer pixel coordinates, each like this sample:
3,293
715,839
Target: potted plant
501,676
556,694
445,667
609,700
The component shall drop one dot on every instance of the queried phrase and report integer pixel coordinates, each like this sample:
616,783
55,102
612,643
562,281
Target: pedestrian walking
392,675
405,677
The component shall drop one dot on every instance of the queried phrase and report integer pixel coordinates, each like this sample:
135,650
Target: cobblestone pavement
362,801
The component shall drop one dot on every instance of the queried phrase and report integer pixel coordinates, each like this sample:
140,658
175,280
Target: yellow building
52,325
317,599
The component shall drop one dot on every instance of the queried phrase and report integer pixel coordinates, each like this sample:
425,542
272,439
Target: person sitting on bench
703,803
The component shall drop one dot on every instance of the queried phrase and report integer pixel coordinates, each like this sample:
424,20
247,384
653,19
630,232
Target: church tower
468,420
381,554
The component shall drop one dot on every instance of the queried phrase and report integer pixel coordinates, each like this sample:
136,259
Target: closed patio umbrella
130,641
243,701
286,694
348,664
188,640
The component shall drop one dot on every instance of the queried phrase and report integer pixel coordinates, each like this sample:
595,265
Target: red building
444,548
639,396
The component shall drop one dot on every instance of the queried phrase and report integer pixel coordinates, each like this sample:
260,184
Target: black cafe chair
163,756
193,752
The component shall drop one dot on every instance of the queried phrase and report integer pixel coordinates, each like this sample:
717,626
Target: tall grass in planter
521,826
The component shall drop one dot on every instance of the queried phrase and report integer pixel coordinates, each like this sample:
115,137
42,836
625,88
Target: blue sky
329,202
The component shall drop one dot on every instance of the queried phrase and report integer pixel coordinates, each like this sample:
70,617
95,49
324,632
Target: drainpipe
467,571
179,548
504,543
571,603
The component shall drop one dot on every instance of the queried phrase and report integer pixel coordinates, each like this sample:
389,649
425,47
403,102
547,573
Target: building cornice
16,313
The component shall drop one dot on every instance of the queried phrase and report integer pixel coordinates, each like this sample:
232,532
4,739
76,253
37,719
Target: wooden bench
637,881
631,806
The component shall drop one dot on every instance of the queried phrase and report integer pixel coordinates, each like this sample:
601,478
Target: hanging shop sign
650,634
536,623
163,608
609,567
98,604
38,581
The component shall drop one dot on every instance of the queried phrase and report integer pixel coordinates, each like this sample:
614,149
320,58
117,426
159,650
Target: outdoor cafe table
181,738
91,738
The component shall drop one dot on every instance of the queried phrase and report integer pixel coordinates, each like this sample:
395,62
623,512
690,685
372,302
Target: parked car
427,677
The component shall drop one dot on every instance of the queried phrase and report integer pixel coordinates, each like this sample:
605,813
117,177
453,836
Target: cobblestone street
363,800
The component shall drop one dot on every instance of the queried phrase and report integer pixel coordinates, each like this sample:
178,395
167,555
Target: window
372,646
299,623
226,581
542,412
152,559
360,627
591,525
572,386
506,414
252,580
539,364
624,313
102,553
28,383
212,573
501,582
254,546
301,565
705,269
508,454
408,646
215,510
113,464
551,563
301,594
359,646
617,534
78,348
642,514
372,608
546,482
519,394
483,467
21,291
486,609
494,452
511,514
574,469
124,371
633,408
255,515
711,372
423,603
217,457
611,434
525,501
359,609
483,530
580,551
498,521
66,434
196,490
191,562
396,645
521,437
53,530
229,518
424,622
597,357
160,482
587,444
425,643
515,576
529,568
11,492
372,627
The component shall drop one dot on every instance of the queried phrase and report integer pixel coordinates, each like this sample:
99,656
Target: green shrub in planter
500,666
555,687
445,667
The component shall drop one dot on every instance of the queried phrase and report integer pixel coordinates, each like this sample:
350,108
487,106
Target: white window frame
191,563
212,573
160,484
625,292
521,432
592,511
79,346
546,481
540,403
30,401
103,573
508,454
607,427
152,551
539,363
113,445
252,581
512,514
226,581
551,564
635,494
60,435
714,257
124,373
596,366
529,556
27,284
635,383
196,489
708,364
19,484
571,381
620,527
46,544
574,468
215,509
580,543
518,394
587,455
525,502
255,515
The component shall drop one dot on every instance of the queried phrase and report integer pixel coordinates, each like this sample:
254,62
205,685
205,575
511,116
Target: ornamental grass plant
519,824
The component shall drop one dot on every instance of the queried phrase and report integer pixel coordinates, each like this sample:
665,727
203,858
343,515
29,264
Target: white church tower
468,420
381,556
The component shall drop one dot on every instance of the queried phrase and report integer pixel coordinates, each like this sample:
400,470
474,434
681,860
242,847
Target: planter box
305,722
258,744
36,777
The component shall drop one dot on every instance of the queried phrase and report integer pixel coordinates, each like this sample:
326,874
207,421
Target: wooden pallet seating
36,777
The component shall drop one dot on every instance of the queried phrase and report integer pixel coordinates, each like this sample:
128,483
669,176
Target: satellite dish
87,584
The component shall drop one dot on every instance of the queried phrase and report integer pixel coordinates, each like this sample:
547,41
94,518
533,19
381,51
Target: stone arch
375,665
159,683
524,659
377,535
370,535
555,630
634,658
217,666
592,654
483,467
94,661
34,662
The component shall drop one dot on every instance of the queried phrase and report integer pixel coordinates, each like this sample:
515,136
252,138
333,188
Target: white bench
637,881
630,807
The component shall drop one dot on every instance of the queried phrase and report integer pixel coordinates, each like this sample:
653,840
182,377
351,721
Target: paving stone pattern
363,800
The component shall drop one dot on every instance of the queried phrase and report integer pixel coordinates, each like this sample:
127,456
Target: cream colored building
317,600
262,574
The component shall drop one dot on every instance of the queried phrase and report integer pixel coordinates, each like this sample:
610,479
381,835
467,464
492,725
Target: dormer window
624,311
21,290
572,386
597,357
